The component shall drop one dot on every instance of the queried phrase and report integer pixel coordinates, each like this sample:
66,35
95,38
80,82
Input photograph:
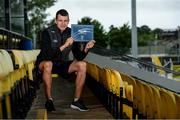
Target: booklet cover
82,33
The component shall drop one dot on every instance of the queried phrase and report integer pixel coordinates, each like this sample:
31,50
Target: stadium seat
157,102
140,98
177,98
102,77
168,105
1,99
117,82
149,101
156,61
128,110
131,81
92,70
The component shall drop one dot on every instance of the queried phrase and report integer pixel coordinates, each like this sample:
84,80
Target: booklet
82,33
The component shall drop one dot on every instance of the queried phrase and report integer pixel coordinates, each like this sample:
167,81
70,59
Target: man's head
62,19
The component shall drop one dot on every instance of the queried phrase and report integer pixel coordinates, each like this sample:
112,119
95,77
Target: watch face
82,33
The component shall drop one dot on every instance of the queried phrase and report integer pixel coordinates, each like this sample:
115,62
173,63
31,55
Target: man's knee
47,66
82,66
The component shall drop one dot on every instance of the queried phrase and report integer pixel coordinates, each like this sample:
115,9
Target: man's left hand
89,45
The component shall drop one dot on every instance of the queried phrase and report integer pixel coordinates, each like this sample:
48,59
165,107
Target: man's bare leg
80,68
46,68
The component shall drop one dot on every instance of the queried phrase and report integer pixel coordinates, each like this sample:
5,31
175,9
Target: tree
114,37
157,32
99,32
36,14
144,30
120,38
145,35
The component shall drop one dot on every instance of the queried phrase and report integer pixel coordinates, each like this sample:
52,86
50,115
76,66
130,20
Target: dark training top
52,38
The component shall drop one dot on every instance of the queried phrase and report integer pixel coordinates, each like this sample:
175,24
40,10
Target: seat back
156,61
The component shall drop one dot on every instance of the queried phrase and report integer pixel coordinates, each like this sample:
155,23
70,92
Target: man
56,45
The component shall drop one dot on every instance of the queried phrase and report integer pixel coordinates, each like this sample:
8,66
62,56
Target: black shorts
61,68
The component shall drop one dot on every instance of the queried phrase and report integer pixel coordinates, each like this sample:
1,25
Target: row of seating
16,88
118,89
148,100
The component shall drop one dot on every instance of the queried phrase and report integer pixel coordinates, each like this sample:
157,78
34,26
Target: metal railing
141,64
10,40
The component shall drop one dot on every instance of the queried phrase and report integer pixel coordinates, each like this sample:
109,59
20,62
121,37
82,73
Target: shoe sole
77,108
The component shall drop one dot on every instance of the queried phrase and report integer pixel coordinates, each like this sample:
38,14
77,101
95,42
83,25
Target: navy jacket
52,39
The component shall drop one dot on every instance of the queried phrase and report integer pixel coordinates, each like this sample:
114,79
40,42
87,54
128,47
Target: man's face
62,22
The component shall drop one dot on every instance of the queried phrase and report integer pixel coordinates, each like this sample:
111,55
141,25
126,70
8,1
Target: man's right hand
68,42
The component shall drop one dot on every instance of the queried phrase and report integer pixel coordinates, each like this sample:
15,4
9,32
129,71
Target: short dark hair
62,12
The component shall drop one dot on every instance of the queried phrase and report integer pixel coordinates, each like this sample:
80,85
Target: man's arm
68,42
81,54
89,45
45,45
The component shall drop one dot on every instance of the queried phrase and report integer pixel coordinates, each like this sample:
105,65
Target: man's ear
55,21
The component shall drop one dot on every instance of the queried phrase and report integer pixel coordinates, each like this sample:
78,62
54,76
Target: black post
25,18
7,14
121,102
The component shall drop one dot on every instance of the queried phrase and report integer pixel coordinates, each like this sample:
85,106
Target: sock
76,99
50,98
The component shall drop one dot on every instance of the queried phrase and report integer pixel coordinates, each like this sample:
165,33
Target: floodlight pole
134,30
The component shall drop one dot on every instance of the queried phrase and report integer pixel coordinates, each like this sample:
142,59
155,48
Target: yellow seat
5,68
23,58
118,85
128,110
156,61
41,114
157,102
149,101
177,98
108,80
117,82
9,79
168,105
6,85
8,60
92,70
140,97
102,77
1,98
18,58
131,81
6,90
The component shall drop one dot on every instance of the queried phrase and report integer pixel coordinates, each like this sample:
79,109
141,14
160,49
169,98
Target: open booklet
82,33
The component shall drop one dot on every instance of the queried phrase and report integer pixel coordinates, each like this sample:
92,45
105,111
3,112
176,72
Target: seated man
56,45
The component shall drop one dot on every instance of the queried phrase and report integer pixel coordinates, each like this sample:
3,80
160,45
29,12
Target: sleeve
49,52
77,52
